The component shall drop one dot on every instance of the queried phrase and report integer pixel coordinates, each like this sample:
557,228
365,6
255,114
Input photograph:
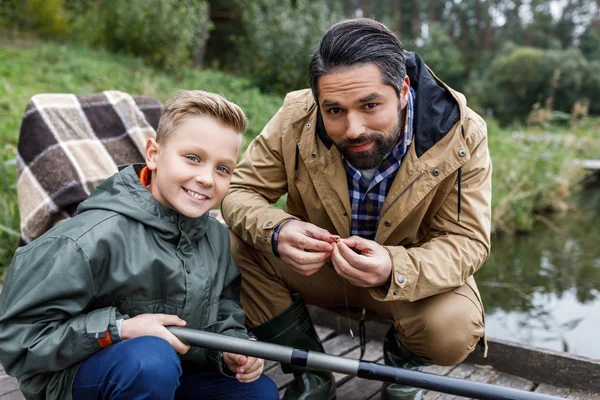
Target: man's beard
383,144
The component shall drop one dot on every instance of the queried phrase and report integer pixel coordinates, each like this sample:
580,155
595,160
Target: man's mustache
364,138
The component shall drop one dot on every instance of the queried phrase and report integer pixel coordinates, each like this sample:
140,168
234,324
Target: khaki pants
442,329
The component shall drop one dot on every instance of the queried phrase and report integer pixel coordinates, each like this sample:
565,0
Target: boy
85,307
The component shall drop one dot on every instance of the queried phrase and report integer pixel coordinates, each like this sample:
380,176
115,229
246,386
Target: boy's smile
191,171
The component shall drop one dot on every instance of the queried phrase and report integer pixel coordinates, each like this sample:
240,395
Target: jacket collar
164,220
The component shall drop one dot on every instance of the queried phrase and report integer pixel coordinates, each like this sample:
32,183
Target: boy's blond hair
198,103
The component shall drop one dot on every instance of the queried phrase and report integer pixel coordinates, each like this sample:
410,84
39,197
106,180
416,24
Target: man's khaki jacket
435,221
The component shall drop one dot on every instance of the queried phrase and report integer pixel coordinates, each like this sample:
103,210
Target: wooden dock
352,388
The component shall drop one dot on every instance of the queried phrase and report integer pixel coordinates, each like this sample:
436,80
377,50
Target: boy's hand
247,369
154,325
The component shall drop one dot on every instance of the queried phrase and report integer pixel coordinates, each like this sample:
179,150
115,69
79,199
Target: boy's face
192,169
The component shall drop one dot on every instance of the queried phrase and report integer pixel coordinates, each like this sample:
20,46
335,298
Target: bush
443,57
45,17
278,41
163,32
554,79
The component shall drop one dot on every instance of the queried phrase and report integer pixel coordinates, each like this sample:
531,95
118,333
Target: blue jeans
149,368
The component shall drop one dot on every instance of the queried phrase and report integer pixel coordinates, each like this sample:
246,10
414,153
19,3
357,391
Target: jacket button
265,238
395,293
388,223
435,172
308,125
314,155
268,224
400,279
462,153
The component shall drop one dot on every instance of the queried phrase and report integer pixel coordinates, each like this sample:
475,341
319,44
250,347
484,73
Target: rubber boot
294,328
395,354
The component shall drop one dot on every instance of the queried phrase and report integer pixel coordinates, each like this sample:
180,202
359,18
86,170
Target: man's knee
449,334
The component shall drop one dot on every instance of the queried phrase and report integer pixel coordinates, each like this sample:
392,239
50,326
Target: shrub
443,57
278,41
44,17
163,32
554,79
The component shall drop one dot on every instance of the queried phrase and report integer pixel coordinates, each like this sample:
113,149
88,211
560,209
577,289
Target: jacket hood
443,109
123,193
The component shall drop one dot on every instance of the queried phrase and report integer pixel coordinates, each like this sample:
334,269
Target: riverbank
530,176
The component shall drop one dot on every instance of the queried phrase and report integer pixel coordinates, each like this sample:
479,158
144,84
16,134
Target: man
388,182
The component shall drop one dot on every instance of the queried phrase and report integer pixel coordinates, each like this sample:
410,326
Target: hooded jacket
122,255
436,219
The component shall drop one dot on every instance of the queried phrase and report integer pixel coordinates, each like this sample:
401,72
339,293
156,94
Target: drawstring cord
459,178
296,158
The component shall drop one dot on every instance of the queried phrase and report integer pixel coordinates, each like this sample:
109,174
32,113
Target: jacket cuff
402,281
101,325
275,236
267,229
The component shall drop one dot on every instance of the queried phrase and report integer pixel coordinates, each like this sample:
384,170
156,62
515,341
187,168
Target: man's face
361,114
192,169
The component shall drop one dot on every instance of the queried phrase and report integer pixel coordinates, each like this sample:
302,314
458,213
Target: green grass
533,170
535,173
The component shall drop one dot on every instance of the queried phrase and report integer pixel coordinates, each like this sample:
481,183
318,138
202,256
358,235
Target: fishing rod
350,366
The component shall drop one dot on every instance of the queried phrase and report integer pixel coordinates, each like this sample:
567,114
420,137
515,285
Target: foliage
278,41
443,57
554,79
590,45
163,32
53,68
45,17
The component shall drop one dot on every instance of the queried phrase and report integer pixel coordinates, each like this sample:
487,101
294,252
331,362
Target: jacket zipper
402,193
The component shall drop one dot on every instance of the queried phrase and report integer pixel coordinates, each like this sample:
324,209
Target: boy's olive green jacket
124,254
436,219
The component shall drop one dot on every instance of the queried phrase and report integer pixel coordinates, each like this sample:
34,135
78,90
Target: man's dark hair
358,41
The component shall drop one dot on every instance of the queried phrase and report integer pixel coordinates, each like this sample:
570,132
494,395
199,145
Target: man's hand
247,369
371,266
304,246
154,325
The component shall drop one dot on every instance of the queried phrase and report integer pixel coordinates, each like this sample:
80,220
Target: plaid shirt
366,200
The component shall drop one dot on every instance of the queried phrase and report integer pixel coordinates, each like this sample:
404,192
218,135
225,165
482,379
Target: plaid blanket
68,144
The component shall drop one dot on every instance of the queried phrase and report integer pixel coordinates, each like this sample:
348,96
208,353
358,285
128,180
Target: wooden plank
541,366
324,333
8,384
552,390
358,389
461,371
581,395
340,345
16,395
438,369
480,374
512,381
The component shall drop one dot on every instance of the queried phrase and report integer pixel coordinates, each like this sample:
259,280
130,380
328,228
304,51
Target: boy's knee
152,362
266,388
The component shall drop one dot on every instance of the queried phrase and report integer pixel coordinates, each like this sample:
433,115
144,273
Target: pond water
543,289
